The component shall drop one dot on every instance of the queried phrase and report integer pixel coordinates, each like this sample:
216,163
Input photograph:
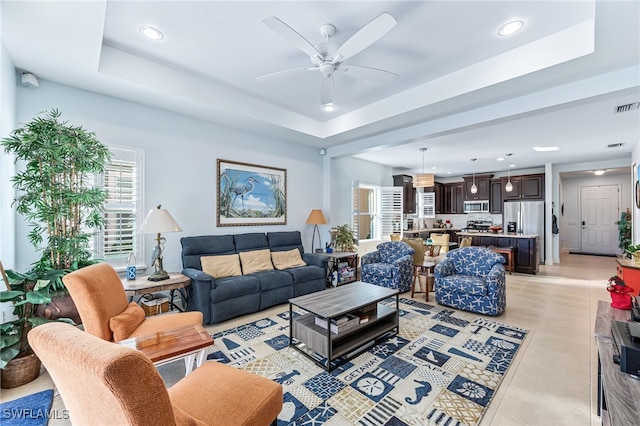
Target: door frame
580,187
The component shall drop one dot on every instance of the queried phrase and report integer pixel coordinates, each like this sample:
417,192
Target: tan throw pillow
124,324
287,259
227,265
255,261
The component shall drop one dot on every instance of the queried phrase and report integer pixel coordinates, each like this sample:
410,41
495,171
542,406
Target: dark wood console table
618,392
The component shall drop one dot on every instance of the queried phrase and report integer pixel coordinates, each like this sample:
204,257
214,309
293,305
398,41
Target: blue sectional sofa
227,297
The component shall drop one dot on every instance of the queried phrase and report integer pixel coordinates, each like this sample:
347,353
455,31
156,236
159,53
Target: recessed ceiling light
434,168
545,148
500,159
598,172
151,32
328,107
512,165
511,27
448,173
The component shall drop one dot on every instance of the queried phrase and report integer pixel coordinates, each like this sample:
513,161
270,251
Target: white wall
7,168
180,162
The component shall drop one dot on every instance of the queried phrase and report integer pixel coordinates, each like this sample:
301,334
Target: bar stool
509,252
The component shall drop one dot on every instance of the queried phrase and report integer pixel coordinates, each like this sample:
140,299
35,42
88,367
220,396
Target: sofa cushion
227,265
285,240
193,248
303,274
273,279
251,241
255,261
233,287
124,324
287,259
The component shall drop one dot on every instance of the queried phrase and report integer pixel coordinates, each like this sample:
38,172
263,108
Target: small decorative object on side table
142,286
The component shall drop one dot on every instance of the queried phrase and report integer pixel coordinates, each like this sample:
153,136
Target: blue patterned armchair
472,279
391,266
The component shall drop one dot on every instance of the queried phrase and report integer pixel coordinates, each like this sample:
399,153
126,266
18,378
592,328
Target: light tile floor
552,380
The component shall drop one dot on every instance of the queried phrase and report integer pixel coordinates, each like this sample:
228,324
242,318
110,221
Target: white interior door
599,209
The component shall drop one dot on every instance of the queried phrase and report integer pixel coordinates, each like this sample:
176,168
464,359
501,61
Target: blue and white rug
443,368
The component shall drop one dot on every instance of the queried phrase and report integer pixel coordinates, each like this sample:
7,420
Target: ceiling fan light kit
328,62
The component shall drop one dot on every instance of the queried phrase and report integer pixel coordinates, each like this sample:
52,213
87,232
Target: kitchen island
425,232
526,247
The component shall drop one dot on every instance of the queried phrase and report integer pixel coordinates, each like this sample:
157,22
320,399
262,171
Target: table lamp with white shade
158,221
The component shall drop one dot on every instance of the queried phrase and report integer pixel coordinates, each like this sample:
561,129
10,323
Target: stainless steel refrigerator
529,219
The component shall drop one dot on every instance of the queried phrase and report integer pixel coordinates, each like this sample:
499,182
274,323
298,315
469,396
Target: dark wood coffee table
191,342
330,350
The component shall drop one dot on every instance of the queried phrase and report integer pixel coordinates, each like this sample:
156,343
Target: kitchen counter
526,247
498,234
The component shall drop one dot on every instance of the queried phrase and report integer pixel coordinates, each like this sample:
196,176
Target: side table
189,342
141,286
338,258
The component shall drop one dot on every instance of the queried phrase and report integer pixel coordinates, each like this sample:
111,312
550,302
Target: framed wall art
250,194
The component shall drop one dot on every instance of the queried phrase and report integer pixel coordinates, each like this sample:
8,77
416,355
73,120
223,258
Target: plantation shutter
427,204
390,209
355,209
121,182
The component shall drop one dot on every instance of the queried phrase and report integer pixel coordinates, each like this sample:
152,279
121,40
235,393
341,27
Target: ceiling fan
328,59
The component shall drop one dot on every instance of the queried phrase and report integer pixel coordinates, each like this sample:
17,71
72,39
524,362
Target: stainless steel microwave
476,206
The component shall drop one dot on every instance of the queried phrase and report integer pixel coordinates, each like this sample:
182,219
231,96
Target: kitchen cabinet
525,187
408,192
495,201
483,183
453,198
527,249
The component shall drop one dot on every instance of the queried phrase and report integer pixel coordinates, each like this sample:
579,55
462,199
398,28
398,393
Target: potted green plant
55,192
342,238
624,233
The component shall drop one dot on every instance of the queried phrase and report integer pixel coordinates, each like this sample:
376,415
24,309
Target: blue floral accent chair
391,266
472,279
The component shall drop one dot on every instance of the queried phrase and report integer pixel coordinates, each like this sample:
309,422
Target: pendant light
424,180
474,188
508,187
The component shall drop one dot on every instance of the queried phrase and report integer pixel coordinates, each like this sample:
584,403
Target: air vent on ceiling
627,107
615,145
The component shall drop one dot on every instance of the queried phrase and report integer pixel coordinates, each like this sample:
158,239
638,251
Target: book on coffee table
339,325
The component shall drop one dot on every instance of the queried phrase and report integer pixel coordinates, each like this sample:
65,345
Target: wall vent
616,145
627,107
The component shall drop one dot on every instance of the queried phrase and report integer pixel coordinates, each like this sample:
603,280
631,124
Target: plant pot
636,257
20,371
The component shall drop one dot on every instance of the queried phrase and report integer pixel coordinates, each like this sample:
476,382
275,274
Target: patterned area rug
443,368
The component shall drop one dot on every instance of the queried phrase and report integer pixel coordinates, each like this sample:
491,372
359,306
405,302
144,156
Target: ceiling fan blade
365,37
368,73
292,36
326,89
284,73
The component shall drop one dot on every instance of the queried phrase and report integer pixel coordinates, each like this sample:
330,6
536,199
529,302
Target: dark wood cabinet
528,187
527,250
453,198
408,192
483,183
495,201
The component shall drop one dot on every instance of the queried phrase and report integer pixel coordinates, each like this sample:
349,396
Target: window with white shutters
122,180
376,211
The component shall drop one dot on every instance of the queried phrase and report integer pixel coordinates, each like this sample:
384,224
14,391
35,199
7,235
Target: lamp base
158,276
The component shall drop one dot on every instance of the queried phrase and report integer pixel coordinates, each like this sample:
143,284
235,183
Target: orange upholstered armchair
105,312
102,383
